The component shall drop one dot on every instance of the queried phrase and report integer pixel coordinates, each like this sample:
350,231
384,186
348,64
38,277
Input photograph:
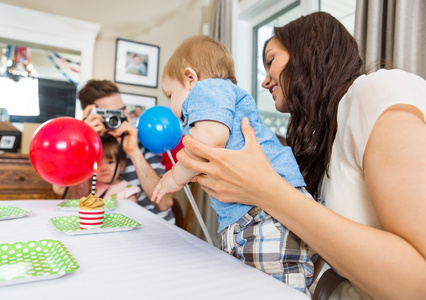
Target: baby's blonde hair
208,57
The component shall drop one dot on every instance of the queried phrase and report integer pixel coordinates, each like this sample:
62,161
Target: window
344,11
275,120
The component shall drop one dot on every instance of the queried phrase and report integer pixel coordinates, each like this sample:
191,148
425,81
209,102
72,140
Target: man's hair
96,89
208,57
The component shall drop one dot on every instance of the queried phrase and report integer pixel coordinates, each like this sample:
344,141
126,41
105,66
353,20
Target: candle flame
95,166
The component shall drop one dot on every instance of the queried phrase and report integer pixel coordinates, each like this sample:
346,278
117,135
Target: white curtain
392,34
221,27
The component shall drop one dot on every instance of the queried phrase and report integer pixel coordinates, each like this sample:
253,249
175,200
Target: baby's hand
166,185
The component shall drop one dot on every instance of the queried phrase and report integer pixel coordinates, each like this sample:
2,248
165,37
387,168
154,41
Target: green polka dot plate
33,261
112,222
12,212
109,204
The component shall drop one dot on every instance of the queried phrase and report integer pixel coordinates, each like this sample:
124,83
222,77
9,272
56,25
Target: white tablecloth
154,261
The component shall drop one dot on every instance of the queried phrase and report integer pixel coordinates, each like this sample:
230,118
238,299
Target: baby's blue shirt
222,101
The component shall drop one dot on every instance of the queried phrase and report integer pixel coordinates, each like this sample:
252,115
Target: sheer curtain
221,27
392,34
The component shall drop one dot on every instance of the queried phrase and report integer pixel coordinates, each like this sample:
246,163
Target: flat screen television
56,99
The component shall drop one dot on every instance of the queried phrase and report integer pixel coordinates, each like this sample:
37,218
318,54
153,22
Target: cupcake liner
90,219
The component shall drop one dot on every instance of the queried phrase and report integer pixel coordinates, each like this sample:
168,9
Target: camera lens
113,121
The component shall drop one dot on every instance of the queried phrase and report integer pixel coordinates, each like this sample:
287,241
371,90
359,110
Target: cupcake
91,212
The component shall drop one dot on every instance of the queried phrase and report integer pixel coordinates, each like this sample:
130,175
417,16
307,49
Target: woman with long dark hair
360,141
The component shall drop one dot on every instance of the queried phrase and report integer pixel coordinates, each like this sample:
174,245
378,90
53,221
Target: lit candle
95,167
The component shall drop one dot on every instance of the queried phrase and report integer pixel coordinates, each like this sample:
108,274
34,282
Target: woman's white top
344,191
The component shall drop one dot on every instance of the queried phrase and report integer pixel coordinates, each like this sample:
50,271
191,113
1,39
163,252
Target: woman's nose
265,83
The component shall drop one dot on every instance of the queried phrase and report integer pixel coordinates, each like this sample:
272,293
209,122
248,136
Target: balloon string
194,205
65,193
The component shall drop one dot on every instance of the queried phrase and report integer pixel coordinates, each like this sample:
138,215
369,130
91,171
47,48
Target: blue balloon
159,130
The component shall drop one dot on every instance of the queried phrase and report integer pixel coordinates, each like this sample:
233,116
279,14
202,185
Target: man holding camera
143,168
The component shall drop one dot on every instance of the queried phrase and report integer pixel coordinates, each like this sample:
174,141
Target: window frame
248,14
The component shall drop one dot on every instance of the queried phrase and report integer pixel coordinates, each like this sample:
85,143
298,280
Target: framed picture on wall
136,63
137,104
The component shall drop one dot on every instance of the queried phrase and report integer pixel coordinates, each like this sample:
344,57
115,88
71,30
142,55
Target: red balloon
166,159
64,150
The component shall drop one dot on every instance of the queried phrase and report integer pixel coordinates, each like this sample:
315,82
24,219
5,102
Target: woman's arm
388,263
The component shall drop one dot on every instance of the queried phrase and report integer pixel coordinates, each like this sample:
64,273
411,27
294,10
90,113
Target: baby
200,83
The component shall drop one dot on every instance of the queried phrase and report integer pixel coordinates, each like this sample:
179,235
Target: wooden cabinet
18,180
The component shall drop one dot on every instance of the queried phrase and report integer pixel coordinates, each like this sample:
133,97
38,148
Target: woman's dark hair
324,61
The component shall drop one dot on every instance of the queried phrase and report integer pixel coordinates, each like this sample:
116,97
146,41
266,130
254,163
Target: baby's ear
191,77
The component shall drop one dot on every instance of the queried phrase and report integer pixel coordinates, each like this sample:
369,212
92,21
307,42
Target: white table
154,261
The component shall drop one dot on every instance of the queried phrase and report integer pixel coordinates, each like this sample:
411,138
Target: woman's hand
229,175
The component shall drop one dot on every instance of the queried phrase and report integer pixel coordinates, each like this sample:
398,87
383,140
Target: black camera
112,117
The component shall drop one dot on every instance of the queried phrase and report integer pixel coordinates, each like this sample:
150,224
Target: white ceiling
151,11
